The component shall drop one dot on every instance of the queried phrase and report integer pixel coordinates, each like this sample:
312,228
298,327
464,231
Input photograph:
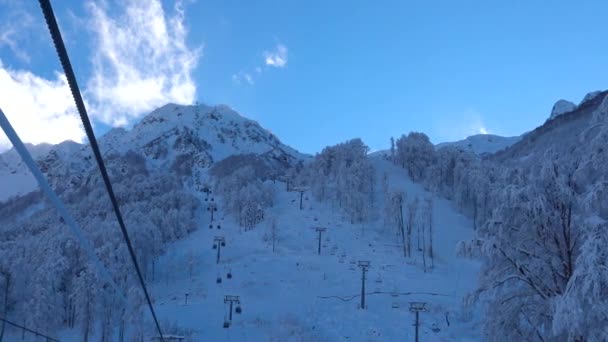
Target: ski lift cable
349,298
51,22
46,188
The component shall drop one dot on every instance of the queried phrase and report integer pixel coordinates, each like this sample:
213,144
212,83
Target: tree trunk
423,250
402,227
7,283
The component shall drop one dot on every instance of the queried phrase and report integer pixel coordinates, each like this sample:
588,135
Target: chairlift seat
226,325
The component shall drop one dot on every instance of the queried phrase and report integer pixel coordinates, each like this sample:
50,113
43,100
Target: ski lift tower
417,307
301,190
364,265
232,300
320,230
218,243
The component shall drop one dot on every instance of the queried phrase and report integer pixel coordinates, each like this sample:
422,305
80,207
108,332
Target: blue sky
313,72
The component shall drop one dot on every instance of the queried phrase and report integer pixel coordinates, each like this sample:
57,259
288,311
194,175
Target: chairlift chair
214,246
229,275
219,227
210,226
218,280
223,244
238,310
226,324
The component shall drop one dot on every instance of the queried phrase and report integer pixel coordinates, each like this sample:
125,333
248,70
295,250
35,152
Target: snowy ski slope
281,292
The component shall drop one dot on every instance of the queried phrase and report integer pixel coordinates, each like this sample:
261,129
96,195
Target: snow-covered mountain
482,144
158,169
575,130
172,137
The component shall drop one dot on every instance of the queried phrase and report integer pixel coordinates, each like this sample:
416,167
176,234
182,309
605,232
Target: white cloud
140,61
13,27
276,58
236,79
40,110
243,76
248,78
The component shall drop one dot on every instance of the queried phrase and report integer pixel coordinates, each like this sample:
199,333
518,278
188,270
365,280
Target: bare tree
412,209
423,228
7,280
274,233
429,213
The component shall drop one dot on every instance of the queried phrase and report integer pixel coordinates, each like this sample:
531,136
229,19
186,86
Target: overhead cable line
67,218
69,73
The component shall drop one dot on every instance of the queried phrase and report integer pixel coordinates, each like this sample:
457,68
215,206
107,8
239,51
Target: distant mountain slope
173,138
481,144
563,134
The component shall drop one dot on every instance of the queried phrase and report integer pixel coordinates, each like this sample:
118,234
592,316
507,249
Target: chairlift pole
218,241
212,208
417,307
364,265
320,230
232,300
230,315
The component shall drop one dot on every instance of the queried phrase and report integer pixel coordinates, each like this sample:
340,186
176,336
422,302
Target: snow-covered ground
281,293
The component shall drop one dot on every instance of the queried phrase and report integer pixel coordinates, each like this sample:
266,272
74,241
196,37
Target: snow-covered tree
343,175
245,195
531,246
415,153
582,311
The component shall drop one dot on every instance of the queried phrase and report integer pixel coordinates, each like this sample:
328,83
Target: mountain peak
590,96
561,107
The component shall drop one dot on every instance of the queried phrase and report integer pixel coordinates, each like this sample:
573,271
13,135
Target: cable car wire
51,22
